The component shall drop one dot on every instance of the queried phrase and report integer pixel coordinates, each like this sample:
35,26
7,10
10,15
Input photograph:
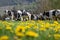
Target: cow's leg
21,18
12,16
29,17
17,15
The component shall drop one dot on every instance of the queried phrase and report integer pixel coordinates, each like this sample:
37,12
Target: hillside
14,2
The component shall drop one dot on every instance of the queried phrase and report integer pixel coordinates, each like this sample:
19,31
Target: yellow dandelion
42,29
28,27
4,38
56,29
32,34
42,25
36,27
20,29
8,28
20,34
57,36
55,22
47,25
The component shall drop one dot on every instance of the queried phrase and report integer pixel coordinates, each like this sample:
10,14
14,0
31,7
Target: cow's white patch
19,12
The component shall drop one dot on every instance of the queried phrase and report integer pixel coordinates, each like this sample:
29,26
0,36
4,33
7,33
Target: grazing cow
7,15
14,14
19,14
51,14
11,14
26,15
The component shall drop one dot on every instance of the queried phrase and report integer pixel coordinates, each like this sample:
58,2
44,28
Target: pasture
30,30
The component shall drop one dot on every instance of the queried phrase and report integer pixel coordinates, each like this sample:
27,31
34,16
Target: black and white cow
26,15
7,15
51,14
19,14
8,12
12,14
37,16
15,14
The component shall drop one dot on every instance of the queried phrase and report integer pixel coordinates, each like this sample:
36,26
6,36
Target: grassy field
30,30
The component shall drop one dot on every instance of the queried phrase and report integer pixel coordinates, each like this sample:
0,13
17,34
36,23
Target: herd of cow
24,15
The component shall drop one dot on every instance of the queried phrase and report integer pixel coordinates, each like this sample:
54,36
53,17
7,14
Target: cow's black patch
46,14
32,17
9,13
53,13
24,14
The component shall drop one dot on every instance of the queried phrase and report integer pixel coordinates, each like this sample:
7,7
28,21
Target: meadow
30,30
